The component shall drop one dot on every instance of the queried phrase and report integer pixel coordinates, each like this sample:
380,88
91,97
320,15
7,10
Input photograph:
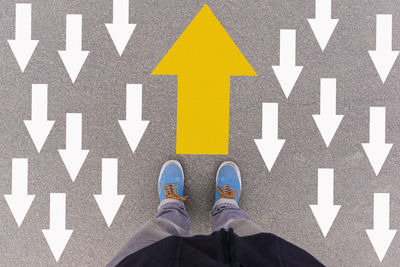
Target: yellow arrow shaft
202,114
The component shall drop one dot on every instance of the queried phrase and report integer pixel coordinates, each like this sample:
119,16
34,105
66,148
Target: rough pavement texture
278,200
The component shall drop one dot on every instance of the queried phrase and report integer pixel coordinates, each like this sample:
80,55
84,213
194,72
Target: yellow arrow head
204,48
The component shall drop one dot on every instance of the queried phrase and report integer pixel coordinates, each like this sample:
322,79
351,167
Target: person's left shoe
170,181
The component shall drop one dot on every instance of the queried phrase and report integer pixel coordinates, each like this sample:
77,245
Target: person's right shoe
228,181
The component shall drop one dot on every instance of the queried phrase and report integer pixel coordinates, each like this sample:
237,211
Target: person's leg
171,218
226,212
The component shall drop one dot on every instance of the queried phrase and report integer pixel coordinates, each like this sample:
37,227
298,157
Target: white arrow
325,212
19,201
23,46
377,150
39,127
381,236
120,30
383,57
287,72
133,127
73,155
323,25
73,57
57,236
109,201
327,121
269,145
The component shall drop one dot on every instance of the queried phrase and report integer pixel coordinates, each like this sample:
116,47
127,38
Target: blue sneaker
170,181
228,182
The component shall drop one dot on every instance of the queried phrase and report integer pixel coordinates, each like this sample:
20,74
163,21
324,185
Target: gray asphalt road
278,200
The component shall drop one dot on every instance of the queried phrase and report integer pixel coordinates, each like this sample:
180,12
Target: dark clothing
221,249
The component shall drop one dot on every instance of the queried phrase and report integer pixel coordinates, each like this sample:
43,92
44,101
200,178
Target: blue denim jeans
173,219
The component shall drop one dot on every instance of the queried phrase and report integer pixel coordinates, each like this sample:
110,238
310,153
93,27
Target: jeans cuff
225,202
171,203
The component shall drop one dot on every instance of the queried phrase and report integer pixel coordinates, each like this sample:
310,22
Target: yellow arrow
204,57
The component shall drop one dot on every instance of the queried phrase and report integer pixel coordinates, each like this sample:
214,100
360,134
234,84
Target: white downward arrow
39,127
269,145
327,121
120,30
377,150
133,127
383,57
381,236
57,236
325,212
109,201
23,46
19,201
323,25
73,155
287,72
73,57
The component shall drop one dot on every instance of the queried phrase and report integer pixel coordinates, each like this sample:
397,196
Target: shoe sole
165,165
234,166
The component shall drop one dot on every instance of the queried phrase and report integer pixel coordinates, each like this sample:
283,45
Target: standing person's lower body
172,217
